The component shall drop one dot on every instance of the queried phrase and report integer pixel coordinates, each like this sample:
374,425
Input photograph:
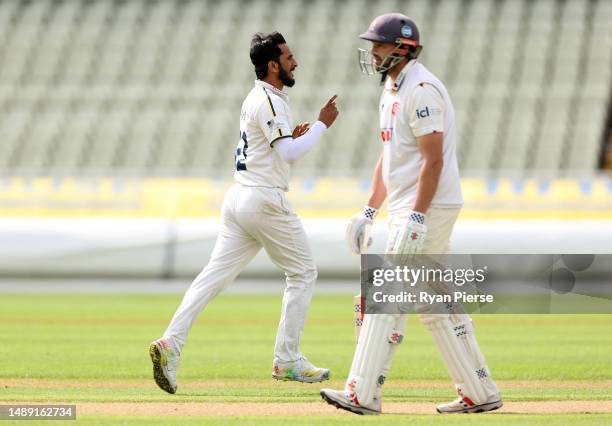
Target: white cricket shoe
343,400
165,356
465,405
299,371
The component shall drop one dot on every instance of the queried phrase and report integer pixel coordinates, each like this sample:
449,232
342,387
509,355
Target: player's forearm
378,195
428,184
379,191
293,149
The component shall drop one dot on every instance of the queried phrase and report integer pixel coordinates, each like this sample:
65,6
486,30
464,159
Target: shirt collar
272,88
400,77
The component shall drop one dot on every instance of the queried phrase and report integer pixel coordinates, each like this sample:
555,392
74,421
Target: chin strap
383,77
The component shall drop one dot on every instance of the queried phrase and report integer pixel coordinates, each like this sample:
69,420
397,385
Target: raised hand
329,112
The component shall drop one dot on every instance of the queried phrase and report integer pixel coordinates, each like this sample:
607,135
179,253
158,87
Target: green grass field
92,350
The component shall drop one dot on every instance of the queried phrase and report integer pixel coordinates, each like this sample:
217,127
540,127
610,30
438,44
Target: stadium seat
155,86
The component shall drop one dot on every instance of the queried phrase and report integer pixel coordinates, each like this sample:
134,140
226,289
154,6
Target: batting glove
358,230
408,237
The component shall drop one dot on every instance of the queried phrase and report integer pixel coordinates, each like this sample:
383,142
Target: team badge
407,31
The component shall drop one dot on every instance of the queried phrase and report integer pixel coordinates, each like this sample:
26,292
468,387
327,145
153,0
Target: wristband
417,217
370,212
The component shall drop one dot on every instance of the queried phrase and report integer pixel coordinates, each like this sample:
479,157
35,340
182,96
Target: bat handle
358,301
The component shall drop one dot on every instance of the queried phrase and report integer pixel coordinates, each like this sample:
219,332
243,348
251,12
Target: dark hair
264,48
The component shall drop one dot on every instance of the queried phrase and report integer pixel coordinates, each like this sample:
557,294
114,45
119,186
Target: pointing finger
331,100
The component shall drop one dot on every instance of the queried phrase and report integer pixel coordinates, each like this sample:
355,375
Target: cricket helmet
393,28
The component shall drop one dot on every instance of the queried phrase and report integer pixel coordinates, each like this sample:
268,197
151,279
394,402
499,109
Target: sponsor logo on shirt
428,112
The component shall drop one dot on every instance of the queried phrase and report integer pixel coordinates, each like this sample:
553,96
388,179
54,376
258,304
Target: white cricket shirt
417,104
264,117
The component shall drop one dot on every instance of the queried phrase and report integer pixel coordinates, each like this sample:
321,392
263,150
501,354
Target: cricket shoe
343,400
165,357
465,405
299,371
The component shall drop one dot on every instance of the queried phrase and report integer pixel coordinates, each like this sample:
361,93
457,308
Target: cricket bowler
417,174
256,214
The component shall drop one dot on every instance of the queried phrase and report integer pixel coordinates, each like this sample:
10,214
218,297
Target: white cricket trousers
252,218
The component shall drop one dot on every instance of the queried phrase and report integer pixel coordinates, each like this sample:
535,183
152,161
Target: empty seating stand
154,87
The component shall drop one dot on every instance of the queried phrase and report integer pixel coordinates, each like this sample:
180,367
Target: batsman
418,175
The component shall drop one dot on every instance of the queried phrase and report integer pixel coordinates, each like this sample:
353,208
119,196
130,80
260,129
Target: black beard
285,79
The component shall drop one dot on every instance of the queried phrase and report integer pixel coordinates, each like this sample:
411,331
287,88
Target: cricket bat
358,300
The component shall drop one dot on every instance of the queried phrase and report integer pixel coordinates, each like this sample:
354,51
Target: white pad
397,336
454,336
373,354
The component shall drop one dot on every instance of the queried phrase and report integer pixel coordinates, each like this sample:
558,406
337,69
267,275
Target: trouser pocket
275,202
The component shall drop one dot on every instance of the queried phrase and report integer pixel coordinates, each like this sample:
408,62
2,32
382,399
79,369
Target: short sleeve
273,119
427,112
